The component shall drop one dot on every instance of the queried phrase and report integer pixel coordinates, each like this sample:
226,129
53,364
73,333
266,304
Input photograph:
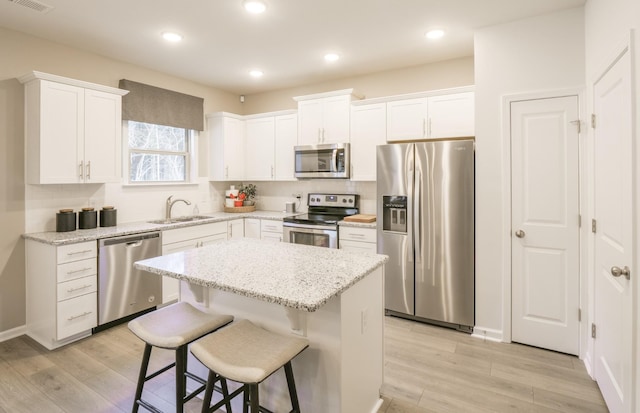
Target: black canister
108,216
65,220
87,218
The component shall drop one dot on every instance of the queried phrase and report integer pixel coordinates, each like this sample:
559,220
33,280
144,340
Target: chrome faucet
169,205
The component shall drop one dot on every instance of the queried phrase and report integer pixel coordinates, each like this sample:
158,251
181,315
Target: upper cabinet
226,146
73,130
286,140
440,116
260,147
368,130
324,117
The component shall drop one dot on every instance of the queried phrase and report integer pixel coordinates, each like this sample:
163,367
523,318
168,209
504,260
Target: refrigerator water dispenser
394,213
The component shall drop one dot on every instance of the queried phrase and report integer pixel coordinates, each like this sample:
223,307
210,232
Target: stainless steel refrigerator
425,200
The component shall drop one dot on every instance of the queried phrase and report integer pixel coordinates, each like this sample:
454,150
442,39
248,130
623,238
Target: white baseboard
488,334
588,364
13,333
377,406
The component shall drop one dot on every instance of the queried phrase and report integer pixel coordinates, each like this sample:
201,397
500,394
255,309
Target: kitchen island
332,297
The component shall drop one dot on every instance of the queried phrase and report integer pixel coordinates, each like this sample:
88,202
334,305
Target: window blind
150,104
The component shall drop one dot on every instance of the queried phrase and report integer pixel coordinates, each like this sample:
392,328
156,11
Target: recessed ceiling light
255,6
331,57
171,36
256,73
434,34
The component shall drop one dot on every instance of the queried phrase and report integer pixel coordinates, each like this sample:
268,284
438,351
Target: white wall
530,55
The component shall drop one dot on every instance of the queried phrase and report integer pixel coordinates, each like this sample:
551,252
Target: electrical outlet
364,320
297,195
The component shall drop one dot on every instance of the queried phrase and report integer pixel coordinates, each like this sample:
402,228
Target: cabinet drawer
270,226
356,246
193,232
76,288
192,243
77,269
77,315
76,252
357,234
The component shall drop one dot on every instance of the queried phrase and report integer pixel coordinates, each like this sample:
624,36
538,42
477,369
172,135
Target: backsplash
143,203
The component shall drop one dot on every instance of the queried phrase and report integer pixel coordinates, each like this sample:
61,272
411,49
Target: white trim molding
13,333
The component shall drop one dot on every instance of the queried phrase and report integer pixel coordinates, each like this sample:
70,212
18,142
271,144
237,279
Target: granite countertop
371,225
293,275
82,235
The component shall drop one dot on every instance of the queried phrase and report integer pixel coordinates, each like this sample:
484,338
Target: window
158,154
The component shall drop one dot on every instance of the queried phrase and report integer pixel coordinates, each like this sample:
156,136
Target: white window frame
191,157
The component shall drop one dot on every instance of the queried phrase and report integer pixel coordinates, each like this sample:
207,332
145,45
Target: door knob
617,271
520,233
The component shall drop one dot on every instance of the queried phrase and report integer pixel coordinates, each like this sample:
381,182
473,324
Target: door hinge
593,330
579,314
578,125
593,226
593,120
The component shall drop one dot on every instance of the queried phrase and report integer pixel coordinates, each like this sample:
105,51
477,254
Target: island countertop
296,276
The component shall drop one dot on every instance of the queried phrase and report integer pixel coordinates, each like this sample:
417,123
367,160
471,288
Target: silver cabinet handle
78,252
81,170
73,317
520,233
70,290
88,170
617,272
77,271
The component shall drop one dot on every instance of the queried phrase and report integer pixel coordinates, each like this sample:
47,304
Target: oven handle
311,228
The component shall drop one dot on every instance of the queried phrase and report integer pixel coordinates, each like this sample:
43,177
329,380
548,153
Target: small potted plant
249,191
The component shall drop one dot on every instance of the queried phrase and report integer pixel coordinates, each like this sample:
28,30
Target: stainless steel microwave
322,161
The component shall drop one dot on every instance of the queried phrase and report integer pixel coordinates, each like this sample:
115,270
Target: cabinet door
368,130
252,228
235,228
233,149
102,137
310,122
452,115
362,247
260,136
61,137
272,236
406,119
335,119
286,139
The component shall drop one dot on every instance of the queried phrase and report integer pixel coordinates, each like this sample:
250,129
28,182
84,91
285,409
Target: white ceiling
222,42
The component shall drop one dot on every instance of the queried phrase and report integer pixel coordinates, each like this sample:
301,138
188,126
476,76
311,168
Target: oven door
316,235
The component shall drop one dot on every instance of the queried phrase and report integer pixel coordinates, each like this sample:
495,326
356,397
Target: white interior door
613,209
545,223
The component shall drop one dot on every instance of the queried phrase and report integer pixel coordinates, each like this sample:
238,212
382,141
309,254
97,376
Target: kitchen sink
180,219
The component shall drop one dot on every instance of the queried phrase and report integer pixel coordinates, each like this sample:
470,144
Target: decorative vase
249,202
237,203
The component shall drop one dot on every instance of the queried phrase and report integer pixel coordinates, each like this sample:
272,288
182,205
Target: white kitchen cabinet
260,148
452,115
226,146
357,239
444,115
182,239
286,140
61,284
73,130
368,130
235,228
271,230
324,117
252,228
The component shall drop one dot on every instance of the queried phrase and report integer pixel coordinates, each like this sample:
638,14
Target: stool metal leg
245,397
254,399
295,406
181,380
141,377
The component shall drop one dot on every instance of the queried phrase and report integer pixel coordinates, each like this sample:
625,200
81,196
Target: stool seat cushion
246,353
176,325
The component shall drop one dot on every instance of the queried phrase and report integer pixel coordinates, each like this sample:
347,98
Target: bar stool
247,354
174,327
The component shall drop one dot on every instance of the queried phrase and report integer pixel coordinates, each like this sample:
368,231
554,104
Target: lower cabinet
271,230
357,239
235,228
181,239
61,284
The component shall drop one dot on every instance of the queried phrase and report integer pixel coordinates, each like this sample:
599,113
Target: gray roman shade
159,106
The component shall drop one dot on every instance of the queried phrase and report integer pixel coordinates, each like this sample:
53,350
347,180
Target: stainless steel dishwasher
122,289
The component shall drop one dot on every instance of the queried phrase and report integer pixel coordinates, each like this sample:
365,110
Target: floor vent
33,5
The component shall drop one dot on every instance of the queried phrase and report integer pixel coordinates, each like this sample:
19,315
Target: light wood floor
428,369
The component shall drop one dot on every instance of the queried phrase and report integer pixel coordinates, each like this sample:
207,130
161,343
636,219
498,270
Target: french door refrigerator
425,197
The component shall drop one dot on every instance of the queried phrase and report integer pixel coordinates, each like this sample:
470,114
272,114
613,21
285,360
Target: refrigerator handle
417,216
